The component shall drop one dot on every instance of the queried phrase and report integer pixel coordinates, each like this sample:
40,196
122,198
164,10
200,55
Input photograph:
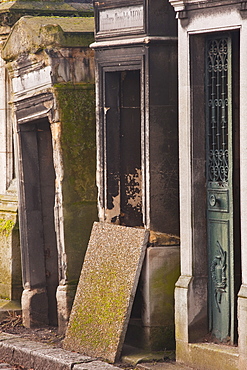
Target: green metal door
220,187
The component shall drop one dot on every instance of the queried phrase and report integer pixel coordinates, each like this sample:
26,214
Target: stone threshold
133,356
210,356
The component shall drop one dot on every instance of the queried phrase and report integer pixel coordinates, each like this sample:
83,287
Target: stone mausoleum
48,146
211,293
48,151
137,149
48,157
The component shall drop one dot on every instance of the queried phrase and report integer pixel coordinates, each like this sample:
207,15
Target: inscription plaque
128,17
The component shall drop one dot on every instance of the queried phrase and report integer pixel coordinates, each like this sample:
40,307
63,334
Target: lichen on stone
6,226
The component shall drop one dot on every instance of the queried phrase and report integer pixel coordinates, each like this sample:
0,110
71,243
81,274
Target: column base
34,304
65,297
242,327
153,330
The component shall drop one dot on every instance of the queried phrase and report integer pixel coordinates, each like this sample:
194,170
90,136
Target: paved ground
30,355
162,366
4,366
40,349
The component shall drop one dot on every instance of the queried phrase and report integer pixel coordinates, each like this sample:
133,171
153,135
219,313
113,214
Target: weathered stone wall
77,112
10,261
52,76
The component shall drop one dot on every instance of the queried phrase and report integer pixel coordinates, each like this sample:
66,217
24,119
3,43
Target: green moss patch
105,292
6,226
77,115
77,111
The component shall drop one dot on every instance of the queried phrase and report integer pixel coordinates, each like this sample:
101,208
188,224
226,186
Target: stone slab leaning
106,290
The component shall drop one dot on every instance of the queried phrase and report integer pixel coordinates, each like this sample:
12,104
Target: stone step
162,366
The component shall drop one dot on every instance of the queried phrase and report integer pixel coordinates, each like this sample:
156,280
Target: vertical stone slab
242,324
10,259
159,277
106,290
76,193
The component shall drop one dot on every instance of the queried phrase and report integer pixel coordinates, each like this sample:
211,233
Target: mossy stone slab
106,290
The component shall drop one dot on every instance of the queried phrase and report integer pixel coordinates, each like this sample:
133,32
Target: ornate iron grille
217,111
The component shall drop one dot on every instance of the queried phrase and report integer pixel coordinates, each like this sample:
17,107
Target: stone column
10,261
242,295
182,290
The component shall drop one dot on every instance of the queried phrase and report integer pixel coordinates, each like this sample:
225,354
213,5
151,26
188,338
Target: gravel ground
49,334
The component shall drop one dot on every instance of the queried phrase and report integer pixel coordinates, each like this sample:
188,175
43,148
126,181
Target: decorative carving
9,19
218,271
217,81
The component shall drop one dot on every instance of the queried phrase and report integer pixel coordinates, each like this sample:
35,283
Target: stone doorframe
191,289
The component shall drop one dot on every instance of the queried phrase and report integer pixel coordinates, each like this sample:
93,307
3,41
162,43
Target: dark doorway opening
123,146
39,248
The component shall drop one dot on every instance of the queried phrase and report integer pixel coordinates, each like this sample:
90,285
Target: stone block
14,350
76,170
6,352
3,172
106,290
182,291
2,86
57,359
242,324
155,330
95,365
211,356
208,356
7,336
10,259
34,307
160,275
23,352
65,296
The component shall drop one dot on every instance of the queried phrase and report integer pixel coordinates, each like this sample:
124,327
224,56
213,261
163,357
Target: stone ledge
40,356
208,356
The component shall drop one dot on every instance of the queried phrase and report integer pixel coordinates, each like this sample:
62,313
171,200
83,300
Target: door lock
212,200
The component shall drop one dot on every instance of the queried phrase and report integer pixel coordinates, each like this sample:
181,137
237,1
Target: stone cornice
181,6
33,34
11,11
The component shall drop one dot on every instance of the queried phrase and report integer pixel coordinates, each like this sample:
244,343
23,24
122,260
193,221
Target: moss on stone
34,34
52,7
6,226
77,113
163,280
96,330
78,39
105,292
10,264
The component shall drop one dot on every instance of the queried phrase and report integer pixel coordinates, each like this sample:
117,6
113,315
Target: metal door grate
217,109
